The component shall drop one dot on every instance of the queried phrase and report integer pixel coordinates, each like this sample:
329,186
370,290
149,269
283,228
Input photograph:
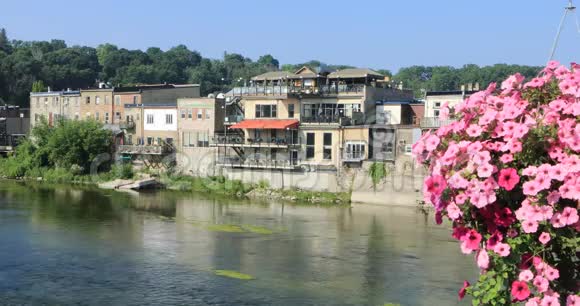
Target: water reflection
80,245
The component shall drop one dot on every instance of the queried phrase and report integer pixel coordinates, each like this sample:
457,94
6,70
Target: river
83,246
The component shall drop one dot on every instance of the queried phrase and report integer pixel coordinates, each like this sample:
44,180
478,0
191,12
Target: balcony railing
434,122
282,90
353,156
222,140
233,119
258,163
126,125
144,150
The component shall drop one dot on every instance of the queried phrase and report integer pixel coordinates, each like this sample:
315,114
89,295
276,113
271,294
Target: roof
451,93
274,124
306,72
355,73
274,75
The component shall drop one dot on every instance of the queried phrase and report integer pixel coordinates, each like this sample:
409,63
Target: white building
160,119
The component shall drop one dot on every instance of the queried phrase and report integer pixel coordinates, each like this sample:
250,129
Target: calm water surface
78,246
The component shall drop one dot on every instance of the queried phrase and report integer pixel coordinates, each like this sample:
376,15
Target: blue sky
375,34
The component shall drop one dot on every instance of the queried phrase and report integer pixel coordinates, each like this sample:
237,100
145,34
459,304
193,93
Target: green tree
38,86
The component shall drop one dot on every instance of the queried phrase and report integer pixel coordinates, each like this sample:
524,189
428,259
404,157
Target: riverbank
122,179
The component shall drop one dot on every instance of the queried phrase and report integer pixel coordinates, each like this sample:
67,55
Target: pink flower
502,249
483,259
485,170
474,130
431,143
531,188
530,226
493,240
569,215
506,158
533,302
463,290
526,276
557,221
573,300
544,238
550,301
508,178
453,211
520,290
541,284
551,273
471,240
435,184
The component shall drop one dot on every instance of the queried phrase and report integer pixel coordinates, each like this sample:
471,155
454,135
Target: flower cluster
506,172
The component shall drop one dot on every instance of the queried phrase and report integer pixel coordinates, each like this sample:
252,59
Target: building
198,120
53,105
306,120
434,100
97,104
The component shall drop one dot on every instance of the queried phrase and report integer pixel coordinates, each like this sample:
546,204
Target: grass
258,229
317,196
233,274
227,228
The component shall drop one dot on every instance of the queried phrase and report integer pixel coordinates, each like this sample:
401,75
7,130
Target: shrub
507,174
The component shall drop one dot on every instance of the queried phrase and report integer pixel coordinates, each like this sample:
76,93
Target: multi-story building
198,120
307,119
434,100
97,104
52,105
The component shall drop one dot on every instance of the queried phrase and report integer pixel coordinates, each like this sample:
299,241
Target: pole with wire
570,9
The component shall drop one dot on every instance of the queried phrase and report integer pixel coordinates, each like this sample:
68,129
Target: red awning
273,124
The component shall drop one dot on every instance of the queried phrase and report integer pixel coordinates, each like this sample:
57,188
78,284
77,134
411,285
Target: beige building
304,120
434,101
54,105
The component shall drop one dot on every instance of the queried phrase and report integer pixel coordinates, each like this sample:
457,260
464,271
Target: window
437,105
149,118
88,100
129,139
408,149
118,116
97,100
355,151
117,100
436,113
135,99
190,113
199,114
291,111
310,139
149,141
107,117
168,119
203,139
327,149
207,114
97,116
182,114
266,111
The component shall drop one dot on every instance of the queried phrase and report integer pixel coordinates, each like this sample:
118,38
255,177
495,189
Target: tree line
55,64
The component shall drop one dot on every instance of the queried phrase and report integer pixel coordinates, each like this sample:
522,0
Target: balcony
353,156
434,122
285,90
222,140
342,120
258,163
144,150
233,119
126,125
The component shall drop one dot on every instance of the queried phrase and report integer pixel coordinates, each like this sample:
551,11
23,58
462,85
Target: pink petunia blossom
520,290
551,273
569,215
530,226
463,290
526,276
483,259
435,184
573,300
541,284
544,238
502,249
508,178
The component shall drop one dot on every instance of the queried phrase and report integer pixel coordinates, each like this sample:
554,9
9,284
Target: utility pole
570,9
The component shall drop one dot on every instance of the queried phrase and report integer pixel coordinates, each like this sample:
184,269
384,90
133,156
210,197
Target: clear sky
376,34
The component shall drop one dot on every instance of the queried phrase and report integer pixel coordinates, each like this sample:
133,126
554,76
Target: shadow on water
80,245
